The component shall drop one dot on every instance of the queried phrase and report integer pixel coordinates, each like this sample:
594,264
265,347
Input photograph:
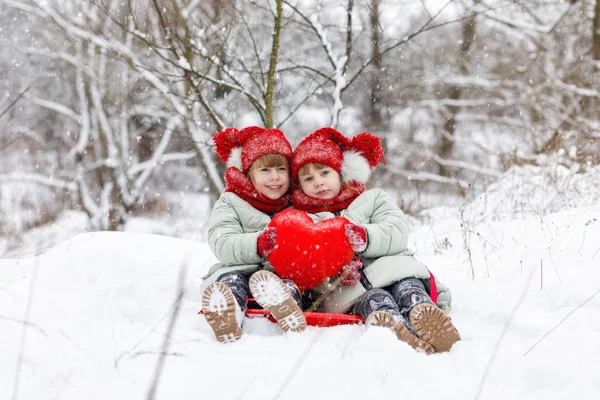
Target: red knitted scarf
340,202
237,182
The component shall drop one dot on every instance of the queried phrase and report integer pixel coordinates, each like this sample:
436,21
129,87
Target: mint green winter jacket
386,259
234,228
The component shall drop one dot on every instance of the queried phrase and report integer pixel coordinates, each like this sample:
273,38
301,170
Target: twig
330,289
14,102
257,378
132,351
296,367
26,323
20,358
167,339
501,338
561,321
554,265
541,274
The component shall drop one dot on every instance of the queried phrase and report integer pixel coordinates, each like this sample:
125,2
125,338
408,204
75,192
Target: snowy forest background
109,106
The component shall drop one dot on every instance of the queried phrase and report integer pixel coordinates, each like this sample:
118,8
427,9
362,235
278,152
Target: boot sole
386,320
434,326
272,294
218,306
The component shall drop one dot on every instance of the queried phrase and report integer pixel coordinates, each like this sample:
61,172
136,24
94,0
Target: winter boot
434,326
408,293
238,284
295,292
272,294
222,312
378,308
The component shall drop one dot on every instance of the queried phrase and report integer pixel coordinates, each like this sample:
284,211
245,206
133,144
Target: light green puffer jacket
233,229
386,259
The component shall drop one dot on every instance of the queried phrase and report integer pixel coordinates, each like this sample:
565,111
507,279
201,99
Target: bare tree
376,100
468,27
147,82
102,170
596,32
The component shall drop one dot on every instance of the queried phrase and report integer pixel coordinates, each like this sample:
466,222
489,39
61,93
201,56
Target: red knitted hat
352,158
241,148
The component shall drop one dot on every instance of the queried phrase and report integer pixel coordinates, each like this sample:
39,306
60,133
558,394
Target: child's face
272,182
320,183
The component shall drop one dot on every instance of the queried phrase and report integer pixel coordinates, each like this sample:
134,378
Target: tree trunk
217,8
115,219
375,99
273,65
596,33
447,140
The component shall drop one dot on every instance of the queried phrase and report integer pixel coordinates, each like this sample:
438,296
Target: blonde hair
316,165
267,161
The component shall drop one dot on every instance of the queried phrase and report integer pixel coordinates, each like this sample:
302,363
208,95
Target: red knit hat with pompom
352,158
241,148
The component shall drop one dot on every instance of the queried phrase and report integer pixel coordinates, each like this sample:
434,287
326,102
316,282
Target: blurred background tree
125,95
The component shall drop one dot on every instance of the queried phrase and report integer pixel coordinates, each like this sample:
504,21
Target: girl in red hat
384,284
257,187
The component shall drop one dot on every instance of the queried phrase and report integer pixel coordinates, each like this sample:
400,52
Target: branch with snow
54,106
197,134
478,169
576,89
151,165
165,158
522,25
339,63
84,132
48,181
428,177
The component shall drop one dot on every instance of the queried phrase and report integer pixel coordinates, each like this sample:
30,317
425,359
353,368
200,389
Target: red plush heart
307,252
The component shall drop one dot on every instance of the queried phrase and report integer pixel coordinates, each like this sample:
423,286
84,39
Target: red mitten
349,273
357,237
266,242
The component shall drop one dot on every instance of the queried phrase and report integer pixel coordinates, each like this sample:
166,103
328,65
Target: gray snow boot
378,308
238,283
409,293
427,320
272,294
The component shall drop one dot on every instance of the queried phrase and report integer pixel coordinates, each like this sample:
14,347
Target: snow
98,306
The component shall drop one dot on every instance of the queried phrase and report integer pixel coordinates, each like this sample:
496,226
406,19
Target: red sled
323,320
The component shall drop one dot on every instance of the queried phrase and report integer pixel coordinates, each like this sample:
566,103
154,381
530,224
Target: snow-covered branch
197,135
54,106
151,165
469,102
470,81
164,159
338,63
37,179
576,89
84,132
480,170
457,164
517,24
428,177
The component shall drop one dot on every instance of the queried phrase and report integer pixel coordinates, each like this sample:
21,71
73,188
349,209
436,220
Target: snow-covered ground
87,320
